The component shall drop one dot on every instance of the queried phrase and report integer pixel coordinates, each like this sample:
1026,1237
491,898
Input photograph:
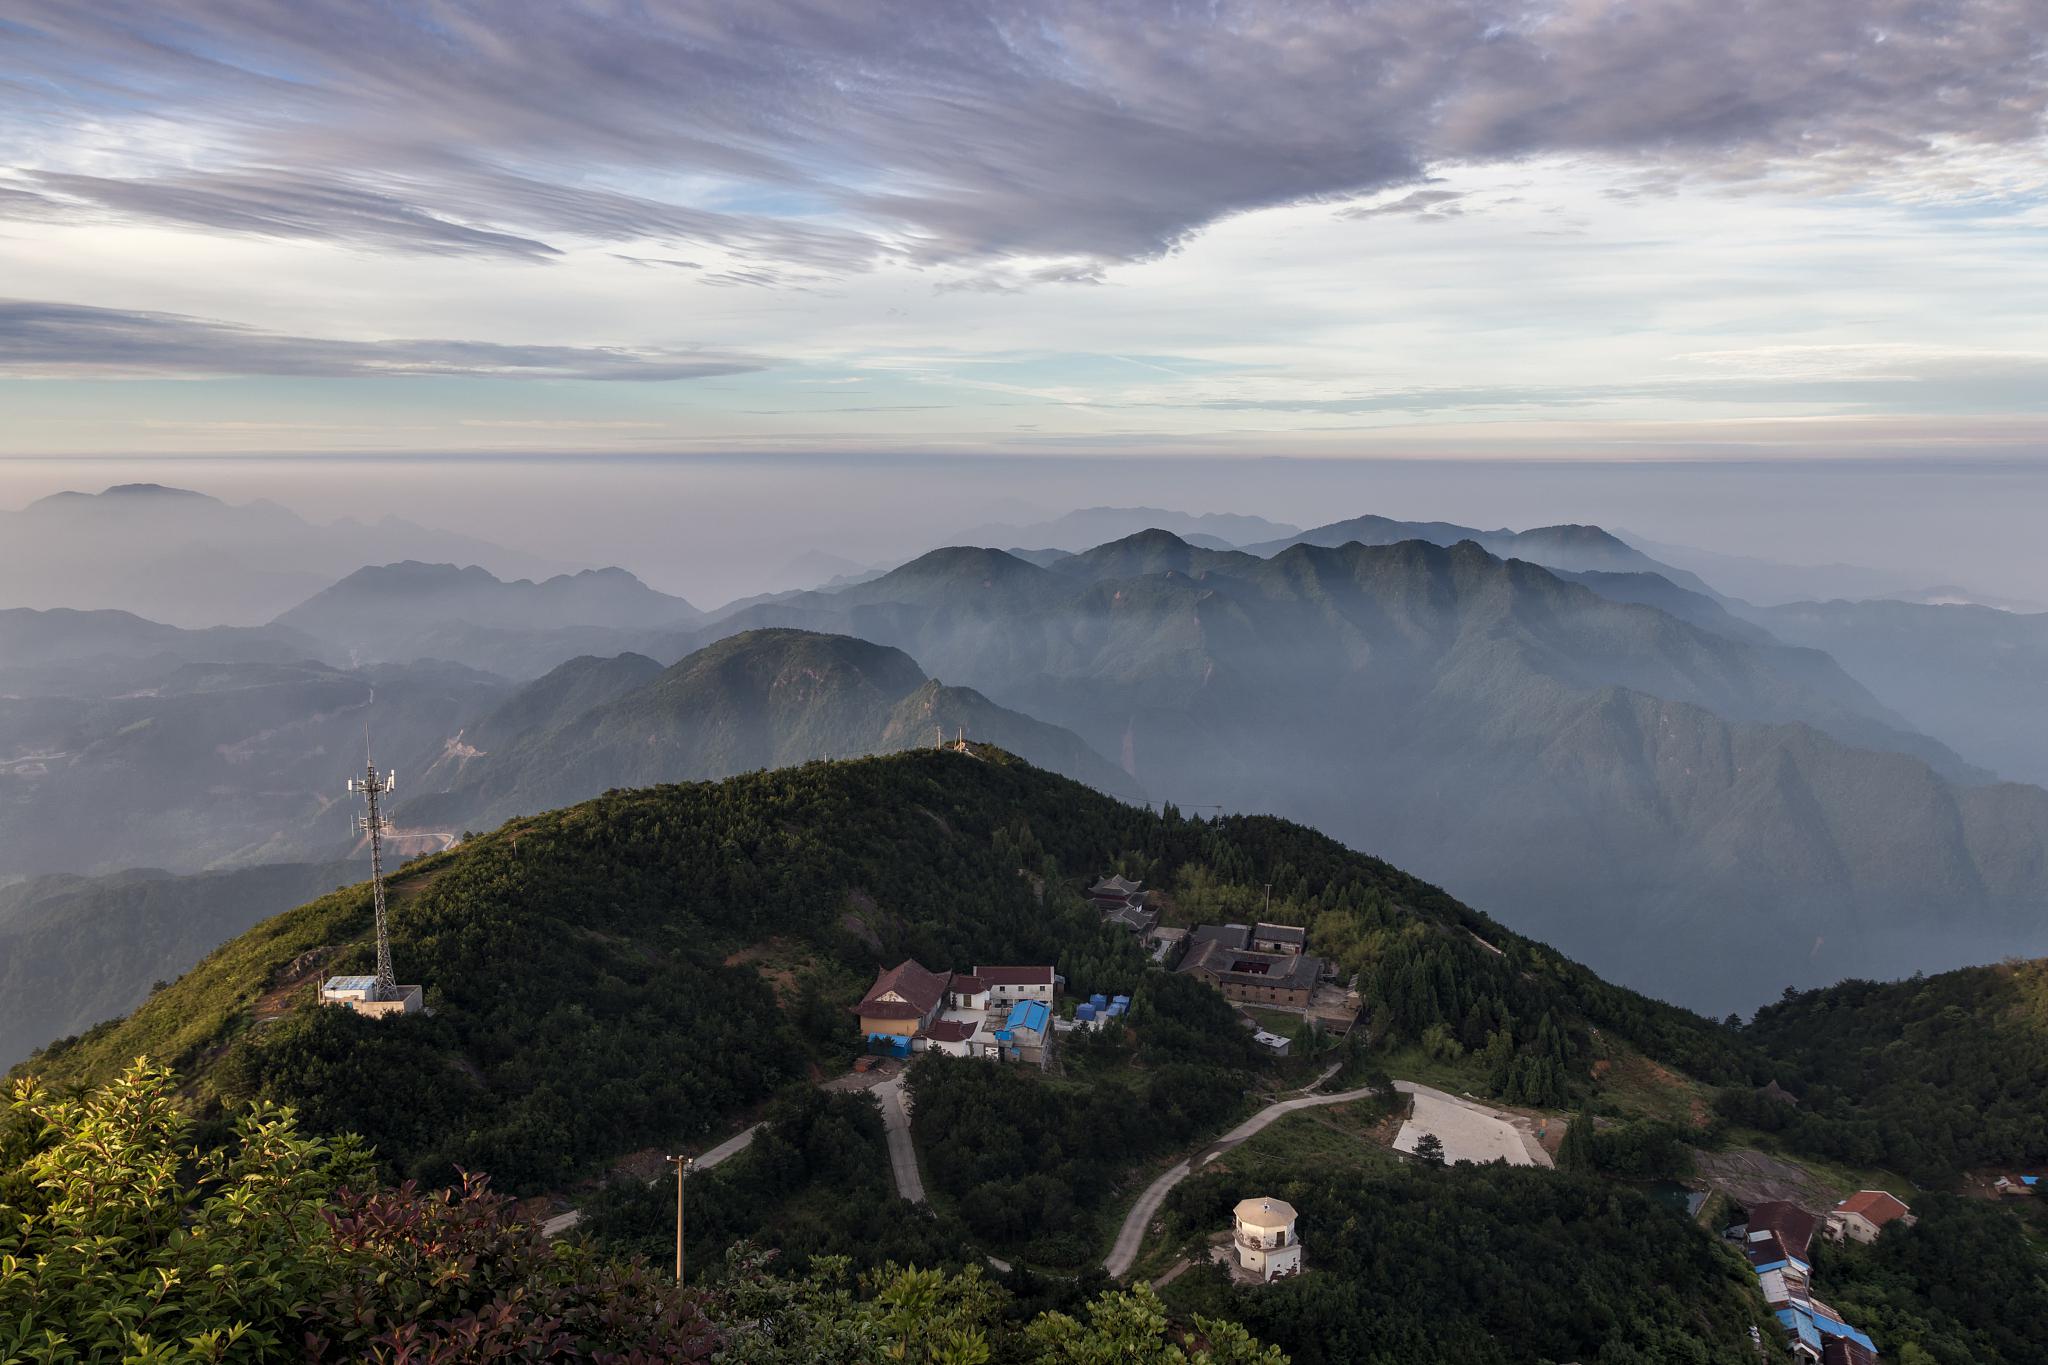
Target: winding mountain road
1480,1134
1131,1235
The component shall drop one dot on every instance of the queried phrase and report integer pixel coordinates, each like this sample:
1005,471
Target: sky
1430,230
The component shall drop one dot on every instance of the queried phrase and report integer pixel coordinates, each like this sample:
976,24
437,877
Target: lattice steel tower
374,788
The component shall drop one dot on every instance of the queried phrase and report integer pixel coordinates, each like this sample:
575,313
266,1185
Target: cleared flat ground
1468,1131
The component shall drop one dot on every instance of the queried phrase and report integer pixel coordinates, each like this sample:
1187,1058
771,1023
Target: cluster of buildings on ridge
1251,964
1008,1013
998,1013
1776,1240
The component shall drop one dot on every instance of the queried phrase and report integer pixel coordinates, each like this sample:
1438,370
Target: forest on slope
577,962
595,994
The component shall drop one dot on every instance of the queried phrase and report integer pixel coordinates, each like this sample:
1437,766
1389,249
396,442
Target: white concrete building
1865,1214
1267,1246
359,993
1008,985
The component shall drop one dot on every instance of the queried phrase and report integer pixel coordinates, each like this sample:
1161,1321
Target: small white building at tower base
360,993
1264,1239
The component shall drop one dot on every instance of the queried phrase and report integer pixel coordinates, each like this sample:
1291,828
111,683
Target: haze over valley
1653,774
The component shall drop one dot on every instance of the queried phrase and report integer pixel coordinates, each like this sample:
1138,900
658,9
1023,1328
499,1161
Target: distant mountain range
763,699
1577,549
188,559
217,764
1586,740
78,950
1693,808
412,610
1973,677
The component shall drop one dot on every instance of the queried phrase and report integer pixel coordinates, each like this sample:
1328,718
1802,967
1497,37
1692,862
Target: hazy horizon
713,528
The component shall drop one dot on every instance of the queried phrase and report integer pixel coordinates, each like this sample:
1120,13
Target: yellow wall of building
902,1028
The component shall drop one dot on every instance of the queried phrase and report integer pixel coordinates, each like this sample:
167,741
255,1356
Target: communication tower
381,994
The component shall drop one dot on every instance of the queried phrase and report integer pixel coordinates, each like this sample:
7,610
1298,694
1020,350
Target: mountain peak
128,494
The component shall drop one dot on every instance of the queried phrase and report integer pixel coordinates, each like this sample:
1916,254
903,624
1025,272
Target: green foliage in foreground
1932,1076
119,1241
1482,1265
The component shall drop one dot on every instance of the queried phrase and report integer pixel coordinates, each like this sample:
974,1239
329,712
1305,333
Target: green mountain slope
765,699
1701,814
78,950
587,1000
1929,1076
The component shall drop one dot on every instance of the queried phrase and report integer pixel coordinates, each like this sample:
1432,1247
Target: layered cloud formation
54,339
1196,225
946,131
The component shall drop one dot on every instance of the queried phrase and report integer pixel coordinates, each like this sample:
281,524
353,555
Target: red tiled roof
1015,976
951,1030
919,990
964,984
1876,1205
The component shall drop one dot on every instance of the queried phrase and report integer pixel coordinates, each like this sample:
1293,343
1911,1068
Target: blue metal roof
2030,1180
350,983
1800,1323
1028,1014
1828,1327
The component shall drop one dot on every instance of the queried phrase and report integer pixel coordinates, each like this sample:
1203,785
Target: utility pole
683,1167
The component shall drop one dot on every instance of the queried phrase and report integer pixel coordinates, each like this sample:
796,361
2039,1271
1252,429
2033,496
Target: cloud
1416,204
55,340
279,205
836,133
1843,379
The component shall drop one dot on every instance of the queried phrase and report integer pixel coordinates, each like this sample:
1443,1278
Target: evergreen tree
1576,1152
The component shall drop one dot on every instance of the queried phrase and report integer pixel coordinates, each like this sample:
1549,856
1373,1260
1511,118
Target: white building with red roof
1865,1214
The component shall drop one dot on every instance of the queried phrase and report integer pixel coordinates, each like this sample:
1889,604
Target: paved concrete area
1468,1130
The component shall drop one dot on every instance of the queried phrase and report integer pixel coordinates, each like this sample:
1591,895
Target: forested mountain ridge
1931,1076
1566,548
1659,797
584,1006
765,699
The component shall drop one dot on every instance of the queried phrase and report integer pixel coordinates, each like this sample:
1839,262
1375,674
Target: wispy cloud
55,340
832,134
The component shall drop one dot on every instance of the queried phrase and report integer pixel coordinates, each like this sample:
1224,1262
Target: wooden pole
682,1165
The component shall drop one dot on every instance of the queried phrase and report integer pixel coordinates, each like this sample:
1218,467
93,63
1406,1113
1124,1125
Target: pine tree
1575,1153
